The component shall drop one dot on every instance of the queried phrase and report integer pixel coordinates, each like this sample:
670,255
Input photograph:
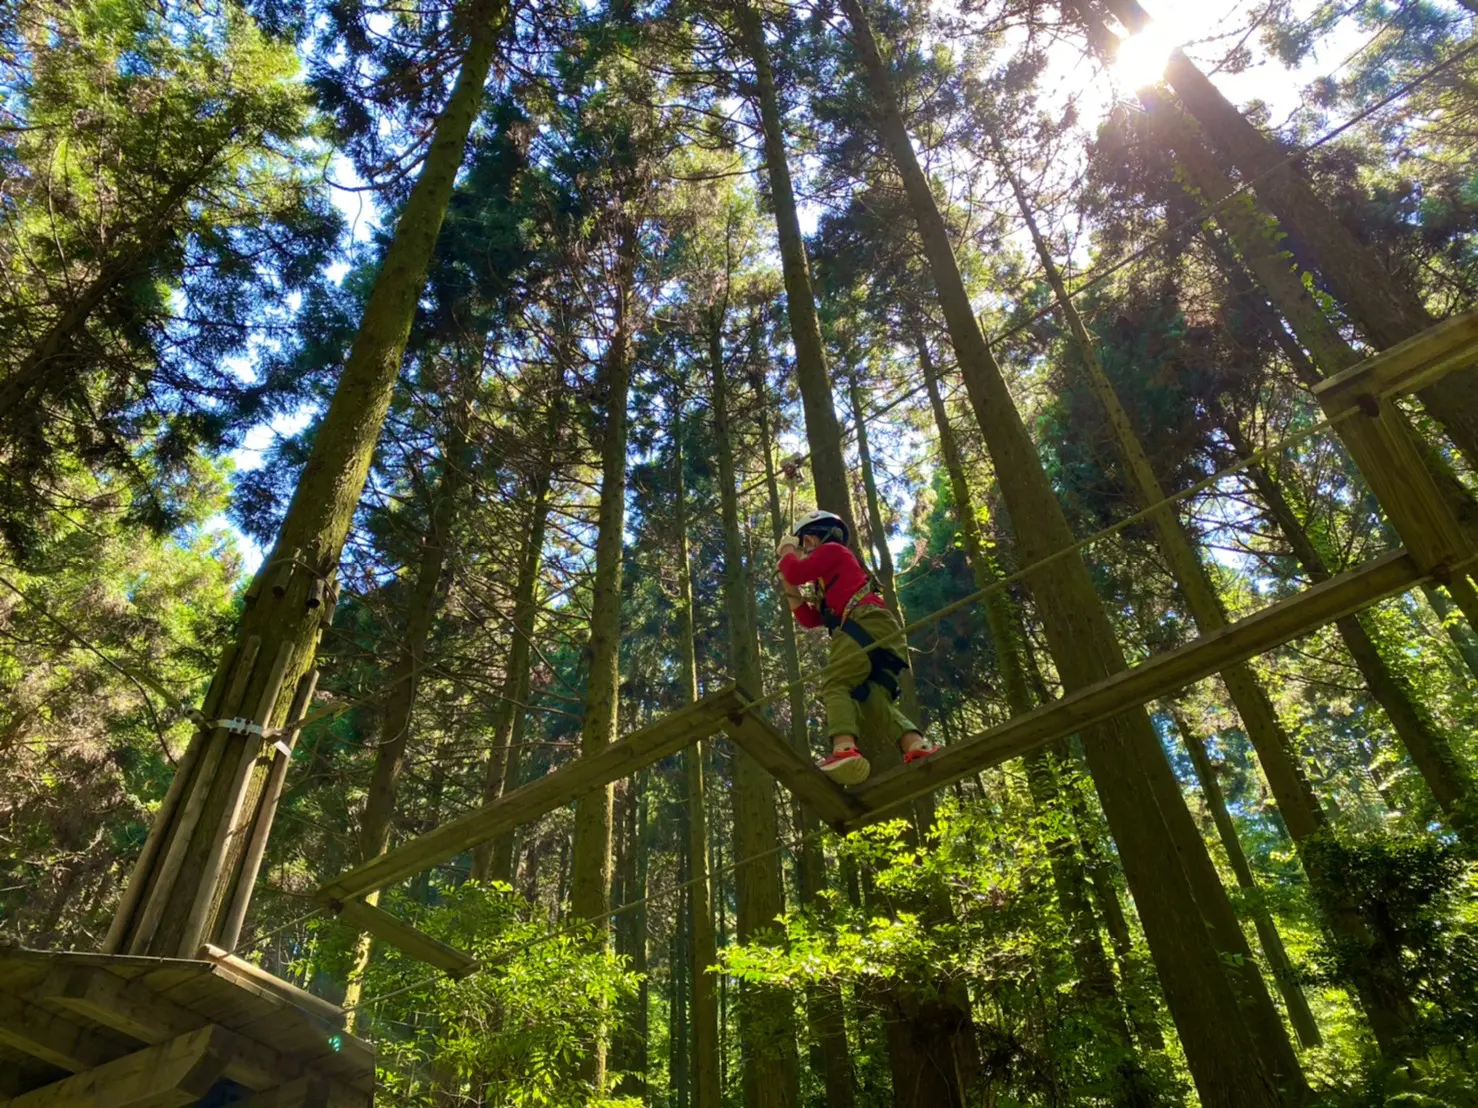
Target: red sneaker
918,754
845,767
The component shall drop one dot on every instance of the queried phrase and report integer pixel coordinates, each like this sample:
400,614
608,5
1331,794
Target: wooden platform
123,1031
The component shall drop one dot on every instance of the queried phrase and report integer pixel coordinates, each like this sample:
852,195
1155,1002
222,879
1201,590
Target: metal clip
239,726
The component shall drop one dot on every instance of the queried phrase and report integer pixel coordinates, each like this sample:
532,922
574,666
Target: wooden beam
757,738
1164,673
140,1013
641,748
419,945
1406,367
54,1039
177,1072
272,986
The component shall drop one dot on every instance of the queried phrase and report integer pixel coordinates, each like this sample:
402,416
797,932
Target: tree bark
907,693
1233,1050
1068,878
590,879
1279,965
824,1007
703,947
423,605
1295,797
766,1015
629,1051
823,432
677,1016
1258,240
494,861
191,863
1429,748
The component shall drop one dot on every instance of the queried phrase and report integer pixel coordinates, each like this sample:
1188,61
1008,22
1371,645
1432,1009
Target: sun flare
1140,59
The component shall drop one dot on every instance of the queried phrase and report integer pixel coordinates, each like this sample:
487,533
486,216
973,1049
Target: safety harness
886,663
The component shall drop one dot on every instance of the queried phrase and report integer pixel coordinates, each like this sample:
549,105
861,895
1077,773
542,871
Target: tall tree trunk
1068,878
677,1016
1430,749
1381,307
766,1015
591,872
494,861
1279,965
877,527
423,605
1462,636
1233,1038
824,1011
703,947
190,873
1290,786
823,432
1257,240
629,1050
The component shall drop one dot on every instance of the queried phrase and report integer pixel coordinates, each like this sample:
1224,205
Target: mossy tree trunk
1280,763
1234,1041
1449,781
887,583
1258,239
629,1050
190,879
1069,880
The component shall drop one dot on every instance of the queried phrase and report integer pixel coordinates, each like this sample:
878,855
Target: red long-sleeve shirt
835,566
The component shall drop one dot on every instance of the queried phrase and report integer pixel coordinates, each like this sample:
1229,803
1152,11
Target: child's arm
805,613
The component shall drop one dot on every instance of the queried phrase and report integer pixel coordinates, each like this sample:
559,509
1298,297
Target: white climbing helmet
821,524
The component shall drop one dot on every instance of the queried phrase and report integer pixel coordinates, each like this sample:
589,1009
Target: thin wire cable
1091,281
258,939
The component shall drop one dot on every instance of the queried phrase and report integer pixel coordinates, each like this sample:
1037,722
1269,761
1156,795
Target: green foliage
87,750
522,1024
1424,895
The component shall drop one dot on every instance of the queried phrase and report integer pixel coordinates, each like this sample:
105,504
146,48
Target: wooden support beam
135,1010
177,1072
419,945
1158,676
259,980
772,750
1404,368
52,1038
641,748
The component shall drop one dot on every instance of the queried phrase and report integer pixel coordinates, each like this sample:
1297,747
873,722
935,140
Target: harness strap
887,664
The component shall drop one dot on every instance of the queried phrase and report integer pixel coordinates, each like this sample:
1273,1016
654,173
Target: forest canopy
402,404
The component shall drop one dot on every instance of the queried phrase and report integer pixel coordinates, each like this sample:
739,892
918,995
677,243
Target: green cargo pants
877,719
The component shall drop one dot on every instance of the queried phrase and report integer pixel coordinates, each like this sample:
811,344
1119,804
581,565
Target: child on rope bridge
861,686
